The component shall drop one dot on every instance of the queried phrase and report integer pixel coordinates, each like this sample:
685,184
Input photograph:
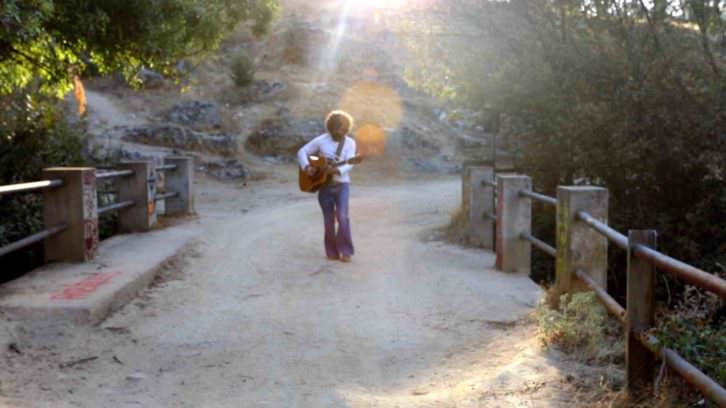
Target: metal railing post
481,205
141,189
640,312
74,204
180,181
514,218
579,247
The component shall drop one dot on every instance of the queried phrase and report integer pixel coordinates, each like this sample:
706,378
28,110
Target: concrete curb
86,293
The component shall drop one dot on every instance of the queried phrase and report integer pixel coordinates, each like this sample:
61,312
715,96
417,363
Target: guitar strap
330,181
340,148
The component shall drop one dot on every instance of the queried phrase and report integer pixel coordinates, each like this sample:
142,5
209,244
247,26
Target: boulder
182,138
226,170
281,137
415,141
151,79
258,91
197,115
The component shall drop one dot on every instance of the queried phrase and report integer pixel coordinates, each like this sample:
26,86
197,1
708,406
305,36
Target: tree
50,41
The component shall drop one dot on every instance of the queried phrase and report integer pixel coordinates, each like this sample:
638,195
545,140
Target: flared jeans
333,201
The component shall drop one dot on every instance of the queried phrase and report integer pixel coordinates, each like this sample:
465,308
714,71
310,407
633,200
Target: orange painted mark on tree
82,289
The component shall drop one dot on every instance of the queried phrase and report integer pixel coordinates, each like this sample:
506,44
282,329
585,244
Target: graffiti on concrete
151,203
90,233
90,215
85,287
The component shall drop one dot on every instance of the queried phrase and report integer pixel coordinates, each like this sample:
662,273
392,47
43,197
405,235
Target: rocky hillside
313,61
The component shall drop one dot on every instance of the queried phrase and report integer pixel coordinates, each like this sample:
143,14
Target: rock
226,170
198,115
135,376
414,140
151,79
258,91
266,89
184,67
179,137
432,165
281,137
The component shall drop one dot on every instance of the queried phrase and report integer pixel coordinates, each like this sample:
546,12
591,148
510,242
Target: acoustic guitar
311,184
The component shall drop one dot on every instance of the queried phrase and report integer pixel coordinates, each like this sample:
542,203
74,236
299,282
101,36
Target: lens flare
375,107
372,102
371,140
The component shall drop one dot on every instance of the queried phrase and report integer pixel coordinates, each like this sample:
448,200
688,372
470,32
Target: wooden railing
71,211
582,238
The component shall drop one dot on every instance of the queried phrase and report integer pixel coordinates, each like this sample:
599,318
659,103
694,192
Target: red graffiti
82,289
89,178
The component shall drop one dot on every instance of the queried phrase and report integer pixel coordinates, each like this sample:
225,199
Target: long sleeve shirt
325,146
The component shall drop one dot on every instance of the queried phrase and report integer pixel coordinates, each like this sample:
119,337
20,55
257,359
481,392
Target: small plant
582,328
243,69
697,332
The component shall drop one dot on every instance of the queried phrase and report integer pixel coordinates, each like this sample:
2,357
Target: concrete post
466,184
75,204
640,363
578,245
141,189
180,180
514,217
481,227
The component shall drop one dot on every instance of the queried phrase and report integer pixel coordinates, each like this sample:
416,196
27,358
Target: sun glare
376,4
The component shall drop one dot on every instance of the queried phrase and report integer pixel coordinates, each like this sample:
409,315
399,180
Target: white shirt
325,146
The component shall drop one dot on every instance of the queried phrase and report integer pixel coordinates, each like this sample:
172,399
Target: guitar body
311,184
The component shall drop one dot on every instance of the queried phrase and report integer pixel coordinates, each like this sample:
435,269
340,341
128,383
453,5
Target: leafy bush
696,329
33,135
582,328
701,344
43,40
243,69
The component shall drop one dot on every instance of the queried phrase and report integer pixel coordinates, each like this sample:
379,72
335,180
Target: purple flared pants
333,201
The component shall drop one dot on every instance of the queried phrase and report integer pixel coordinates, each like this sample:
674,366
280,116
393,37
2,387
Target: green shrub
581,328
243,69
695,331
33,135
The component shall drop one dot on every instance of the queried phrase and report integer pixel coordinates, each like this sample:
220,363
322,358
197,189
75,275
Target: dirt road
257,317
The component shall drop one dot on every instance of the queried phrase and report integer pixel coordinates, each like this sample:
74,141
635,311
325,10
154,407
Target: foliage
243,69
582,327
701,344
50,40
622,94
629,95
35,135
696,329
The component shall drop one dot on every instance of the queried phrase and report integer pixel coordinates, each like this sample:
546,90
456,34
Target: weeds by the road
582,328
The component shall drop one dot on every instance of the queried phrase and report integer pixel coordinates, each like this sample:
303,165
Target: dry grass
456,231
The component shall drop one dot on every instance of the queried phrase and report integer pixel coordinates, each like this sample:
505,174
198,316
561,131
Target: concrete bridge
246,310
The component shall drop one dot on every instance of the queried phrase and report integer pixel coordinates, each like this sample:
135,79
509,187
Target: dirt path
257,317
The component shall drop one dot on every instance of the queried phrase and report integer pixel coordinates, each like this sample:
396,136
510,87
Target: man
335,146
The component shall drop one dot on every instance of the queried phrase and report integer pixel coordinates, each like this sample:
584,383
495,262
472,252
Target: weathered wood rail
582,238
71,211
